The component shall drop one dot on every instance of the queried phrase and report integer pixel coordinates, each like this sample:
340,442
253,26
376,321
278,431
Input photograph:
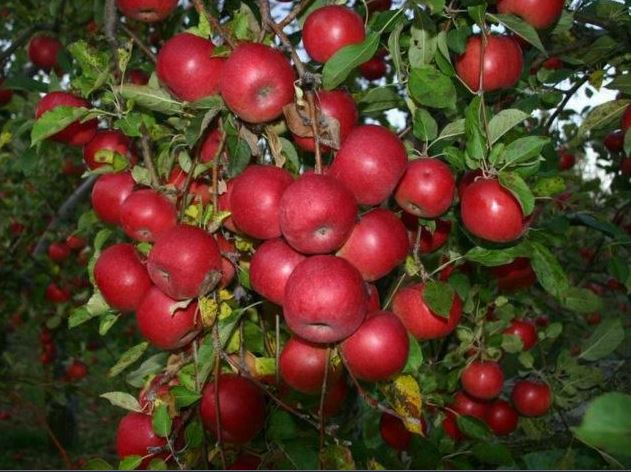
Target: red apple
109,193
257,82
515,275
566,160
552,63
328,29
198,190
224,205
185,262
186,66
58,251
43,50
146,214
325,299
317,214
76,371
255,200
503,63
540,14
525,330
148,11
137,77
379,348
531,398
241,408
334,398
229,256
56,294
375,68
379,5
491,212
135,437
374,304
409,306
625,166
426,189
302,366
501,417
336,104
210,146
5,94
121,277
468,406
370,163
614,142
377,244
163,323
482,379
75,242
76,133
625,121
593,319
450,426
429,242
104,141
394,433
270,267
245,462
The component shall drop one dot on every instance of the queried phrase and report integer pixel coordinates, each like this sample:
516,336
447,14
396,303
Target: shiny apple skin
427,188
540,14
328,29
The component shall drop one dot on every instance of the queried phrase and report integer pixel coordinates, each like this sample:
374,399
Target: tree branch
148,158
143,47
569,94
214,23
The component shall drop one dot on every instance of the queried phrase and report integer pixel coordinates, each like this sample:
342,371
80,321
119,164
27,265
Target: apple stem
215,24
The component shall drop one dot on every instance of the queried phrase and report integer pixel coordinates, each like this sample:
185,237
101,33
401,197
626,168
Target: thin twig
110,23
148,158
569,94
143,47
214,23
218,350
313,116
325,381
294,13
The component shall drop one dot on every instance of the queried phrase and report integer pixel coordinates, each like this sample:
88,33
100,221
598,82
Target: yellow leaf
405,396
5,138
596,79
192,211
208,309
234,343
225,295
243,244
264,366
225,310
374,465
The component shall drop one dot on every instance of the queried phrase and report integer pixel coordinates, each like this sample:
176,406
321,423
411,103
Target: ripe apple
302,366
374,68
76,243
450,427
416,316
245,462
614,142
328,29
379,5
76,133
107,140
121,277
525,330
163,323
325,299
336,104
255,200
482,379
515,275
76,371
429,242
186,66
257,81
185,262
334,398
370,163
43,50
109,193
56,294
241,408
468,406
316,214
374,304
379,348
137,77
393,432
149,11
503,63
135,437
625,121
229,257
224,205
566,160
146,214
58,251
426,189
531,398
552,63
209,148
625,166
377,244
270,267
501,417
5,94
491,212
198,189
539,14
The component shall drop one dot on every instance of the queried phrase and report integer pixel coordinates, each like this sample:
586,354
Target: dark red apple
374,304
121,277
409,306
379,5
257,82
229,256
394,433
614,142
379,348
531,398
270,267
163,323
625,121
501,417
75,134
245,462
625,166
43,50
210,146
552,63
566,160
377,244
375,68
334,398
325,299
5,94
255,200
76,371
198,189
450,426
135,437
137,77
540,14
56,294
186,66
370,163
109,193
185,262
148,11
316,214
426,189
224,205
468,406
503,63
241,408
328,29
58,251
491,212
107,142
482,379
525,330
430,241
515,275
146,215
76,243
302,366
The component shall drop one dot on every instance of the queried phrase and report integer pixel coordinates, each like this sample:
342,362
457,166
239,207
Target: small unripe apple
135,436
482,379
109,193
107,140
76,133
146,215
58,251
149,11
539,14
302,366
531,398
426,189
43,50
328,29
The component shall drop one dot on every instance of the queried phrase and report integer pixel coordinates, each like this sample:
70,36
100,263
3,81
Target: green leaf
602,116
605,340
492,453
97,463
130,463
607,424
54,121
473,427
523,150
423,46
158,464
128,358
150,366
425,127
503,122
161,421
526,359
474,137
378,99
497,257
338,67
439,297
519,27
431,88
183,396
627,142
394,47
621,83
520,190
122,400
580,300
337,457
415,357
239,154
289,151
549,272
152,99
107,321
549,186
512,343
281,427
302,453
194,434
